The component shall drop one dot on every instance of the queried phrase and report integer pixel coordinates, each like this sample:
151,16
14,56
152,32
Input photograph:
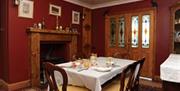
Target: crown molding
105,4
77,2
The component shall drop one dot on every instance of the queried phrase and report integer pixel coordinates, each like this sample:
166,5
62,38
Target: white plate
102,69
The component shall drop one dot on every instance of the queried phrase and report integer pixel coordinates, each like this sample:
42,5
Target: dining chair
139,65
50,76
121,55
129,78
123,83
53,73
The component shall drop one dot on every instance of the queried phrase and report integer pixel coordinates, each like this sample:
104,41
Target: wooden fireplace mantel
35,36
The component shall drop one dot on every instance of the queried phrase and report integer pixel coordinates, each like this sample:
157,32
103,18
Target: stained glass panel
134,31
121,40
113,32
145,31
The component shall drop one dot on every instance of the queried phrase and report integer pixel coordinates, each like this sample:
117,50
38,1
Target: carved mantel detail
35,36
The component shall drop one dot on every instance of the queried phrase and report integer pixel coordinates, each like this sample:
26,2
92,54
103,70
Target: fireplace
40,38
56,52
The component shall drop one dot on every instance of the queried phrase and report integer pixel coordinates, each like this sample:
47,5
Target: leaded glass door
142,40
132,36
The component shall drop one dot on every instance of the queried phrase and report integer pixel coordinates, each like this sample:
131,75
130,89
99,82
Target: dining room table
95,74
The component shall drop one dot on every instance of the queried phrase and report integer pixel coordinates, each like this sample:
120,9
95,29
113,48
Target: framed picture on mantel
25,9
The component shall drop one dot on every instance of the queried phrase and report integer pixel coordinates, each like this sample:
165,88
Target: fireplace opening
54,52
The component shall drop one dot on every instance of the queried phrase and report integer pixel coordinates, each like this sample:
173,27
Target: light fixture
154,3
17,2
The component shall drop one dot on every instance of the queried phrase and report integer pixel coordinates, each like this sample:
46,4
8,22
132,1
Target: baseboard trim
145,78
18,85
155,78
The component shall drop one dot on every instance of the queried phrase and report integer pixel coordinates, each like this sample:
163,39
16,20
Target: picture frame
54,10
75,17
25,9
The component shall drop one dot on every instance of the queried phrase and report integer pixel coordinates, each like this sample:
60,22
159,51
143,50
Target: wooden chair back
129,78
139,65
121,55
126,78
50,76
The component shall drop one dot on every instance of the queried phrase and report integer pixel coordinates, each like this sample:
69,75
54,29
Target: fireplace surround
35,37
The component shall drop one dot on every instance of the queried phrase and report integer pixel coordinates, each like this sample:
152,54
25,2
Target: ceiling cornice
106,4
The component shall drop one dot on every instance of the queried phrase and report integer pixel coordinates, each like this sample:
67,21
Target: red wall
1,68
163,27
3,40
163,31
19,65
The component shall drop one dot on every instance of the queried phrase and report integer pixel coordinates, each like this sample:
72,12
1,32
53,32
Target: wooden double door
132,35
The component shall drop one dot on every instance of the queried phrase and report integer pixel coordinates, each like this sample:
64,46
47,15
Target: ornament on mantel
57,23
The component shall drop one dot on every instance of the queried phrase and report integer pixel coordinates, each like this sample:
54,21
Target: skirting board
155,78
146,78
18,85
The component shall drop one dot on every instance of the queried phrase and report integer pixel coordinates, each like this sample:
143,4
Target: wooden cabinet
132,35
175,27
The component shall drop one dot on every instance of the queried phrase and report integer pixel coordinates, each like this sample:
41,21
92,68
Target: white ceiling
93,4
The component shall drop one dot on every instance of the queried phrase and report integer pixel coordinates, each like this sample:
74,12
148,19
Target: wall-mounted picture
25,9
54,10
75,17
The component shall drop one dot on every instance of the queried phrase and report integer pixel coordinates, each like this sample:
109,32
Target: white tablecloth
93,79
170,69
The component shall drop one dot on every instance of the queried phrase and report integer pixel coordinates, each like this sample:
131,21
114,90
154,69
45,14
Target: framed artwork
54,10
25,9
75,17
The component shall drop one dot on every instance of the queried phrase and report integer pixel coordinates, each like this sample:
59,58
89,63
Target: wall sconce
17,2
154,3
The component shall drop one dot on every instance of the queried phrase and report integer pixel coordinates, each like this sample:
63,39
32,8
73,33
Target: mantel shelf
50,31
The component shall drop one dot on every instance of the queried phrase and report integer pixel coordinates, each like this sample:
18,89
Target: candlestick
57,23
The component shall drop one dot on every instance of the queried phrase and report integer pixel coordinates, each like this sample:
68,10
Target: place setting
94,63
